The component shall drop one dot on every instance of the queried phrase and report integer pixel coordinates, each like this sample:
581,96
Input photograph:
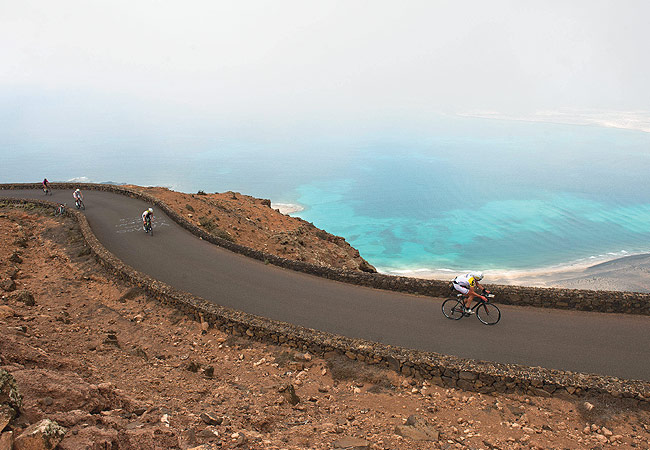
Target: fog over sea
459,193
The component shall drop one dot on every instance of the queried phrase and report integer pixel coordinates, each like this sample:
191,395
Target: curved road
607,344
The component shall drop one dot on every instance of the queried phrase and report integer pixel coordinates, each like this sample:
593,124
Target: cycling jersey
146,214
76,195
468,280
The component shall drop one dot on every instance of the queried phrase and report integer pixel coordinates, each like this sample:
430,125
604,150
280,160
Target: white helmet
77,190
151,210
478,275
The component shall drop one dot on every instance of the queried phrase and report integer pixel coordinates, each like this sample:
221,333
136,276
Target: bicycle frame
477,300
486,312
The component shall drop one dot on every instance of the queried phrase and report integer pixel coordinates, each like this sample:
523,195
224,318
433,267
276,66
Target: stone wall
443,370
602,301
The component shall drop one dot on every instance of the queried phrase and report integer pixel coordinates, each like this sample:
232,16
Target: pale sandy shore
287,208
630,273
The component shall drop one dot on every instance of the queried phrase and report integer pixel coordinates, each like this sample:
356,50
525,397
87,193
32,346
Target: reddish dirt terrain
251,222
121,371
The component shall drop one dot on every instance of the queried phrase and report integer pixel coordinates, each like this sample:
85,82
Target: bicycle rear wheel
452,309
488,313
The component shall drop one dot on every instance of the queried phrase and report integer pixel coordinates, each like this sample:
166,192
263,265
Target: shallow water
459,194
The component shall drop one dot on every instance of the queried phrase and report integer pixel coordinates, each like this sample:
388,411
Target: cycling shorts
462,289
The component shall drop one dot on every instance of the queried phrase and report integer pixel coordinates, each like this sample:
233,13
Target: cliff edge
251,222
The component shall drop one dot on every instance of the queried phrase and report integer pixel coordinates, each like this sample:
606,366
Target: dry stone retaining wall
585,300
443,370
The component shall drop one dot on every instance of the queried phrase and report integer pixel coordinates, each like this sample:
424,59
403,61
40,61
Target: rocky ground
252,222
120,371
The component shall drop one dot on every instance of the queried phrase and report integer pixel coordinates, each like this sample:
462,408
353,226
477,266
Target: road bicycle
148,227
47,190
487,312
79,204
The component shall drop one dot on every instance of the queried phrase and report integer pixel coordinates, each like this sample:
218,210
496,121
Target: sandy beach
629,273
287,208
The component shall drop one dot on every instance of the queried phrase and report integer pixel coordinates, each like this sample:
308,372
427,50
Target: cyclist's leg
463,290
471,296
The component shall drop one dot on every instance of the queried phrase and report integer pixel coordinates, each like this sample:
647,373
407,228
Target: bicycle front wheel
452,309
488,313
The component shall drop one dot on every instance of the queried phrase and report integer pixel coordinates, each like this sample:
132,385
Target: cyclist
77,195
147,215
46,185
466,284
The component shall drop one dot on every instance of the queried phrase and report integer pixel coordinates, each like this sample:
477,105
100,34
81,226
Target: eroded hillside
251,222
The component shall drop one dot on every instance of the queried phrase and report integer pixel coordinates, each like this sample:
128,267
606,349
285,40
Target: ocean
457,194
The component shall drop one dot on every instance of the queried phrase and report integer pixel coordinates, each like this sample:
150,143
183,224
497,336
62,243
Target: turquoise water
457,194
508,196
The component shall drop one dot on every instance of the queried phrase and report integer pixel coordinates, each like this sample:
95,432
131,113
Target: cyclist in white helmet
147,214
77,195
467,284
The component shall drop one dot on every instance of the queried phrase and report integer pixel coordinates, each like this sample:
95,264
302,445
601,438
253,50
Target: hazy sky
343,60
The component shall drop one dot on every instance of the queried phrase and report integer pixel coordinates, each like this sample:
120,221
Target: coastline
627,273
287,208
614,271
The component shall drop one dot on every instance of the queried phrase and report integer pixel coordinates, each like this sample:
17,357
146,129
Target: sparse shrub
321,234
207,223
189,207
223,234
343,368
237,342
283,358
201,193
602,408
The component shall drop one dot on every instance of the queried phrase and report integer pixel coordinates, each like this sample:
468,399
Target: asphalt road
607,344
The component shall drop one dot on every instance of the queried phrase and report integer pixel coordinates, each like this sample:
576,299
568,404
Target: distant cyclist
46,185
147,215
78,196
467,284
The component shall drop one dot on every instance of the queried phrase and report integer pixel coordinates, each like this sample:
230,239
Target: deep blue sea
460,193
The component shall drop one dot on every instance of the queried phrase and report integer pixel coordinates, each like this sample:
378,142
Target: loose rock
44,435
6,414
15,258
6,440
25,297
211,419
352,443
417,429
111,339
208,372
8,285
6,312
289,393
